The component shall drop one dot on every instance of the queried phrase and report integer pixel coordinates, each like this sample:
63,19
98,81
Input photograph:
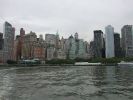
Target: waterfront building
98,43
1,41
91,49
1,56
109,41
18,45
17,48
87,54
8,48
86,44
127,40
117,47
76,47
29,43
103,49
72,49
40,49
1,47
81,49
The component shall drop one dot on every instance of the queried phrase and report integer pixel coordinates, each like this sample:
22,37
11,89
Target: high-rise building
127,40
98,43
72,48
39,49
1,47
81,49
50,53
1,41
9,33
50,39
91,49
76,36
109,41
117,47
19,44
76,47
29,43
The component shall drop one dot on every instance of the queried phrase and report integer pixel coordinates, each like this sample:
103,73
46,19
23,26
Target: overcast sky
67,16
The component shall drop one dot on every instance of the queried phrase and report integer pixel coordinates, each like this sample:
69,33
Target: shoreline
51,65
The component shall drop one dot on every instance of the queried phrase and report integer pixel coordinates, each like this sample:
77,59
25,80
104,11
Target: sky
66,16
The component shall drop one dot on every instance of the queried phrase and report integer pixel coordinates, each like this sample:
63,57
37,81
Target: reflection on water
67,83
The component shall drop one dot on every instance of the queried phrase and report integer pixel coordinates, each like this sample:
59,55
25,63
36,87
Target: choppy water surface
67,83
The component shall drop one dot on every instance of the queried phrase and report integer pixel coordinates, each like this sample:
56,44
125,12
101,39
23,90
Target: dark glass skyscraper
117,47
98,43
1,41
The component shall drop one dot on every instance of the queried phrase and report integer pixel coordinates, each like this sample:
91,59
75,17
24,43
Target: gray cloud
67,16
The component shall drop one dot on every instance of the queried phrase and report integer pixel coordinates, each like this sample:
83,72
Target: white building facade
109,41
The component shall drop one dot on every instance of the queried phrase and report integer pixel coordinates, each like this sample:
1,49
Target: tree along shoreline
69,62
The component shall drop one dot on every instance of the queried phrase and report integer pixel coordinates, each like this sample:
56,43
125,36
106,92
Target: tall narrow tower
109,41
9,33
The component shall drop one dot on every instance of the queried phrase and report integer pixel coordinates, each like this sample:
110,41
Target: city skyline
68,17
29,46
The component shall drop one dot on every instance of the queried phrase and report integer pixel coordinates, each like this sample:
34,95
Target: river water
67,83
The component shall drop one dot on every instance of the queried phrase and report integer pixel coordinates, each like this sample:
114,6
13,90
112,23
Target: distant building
8,49
72,49
1,41
98,43
81,49
61,54
76,36
50,39
76,47
117,47
127,40
86,44
1,56
50,53
18,45
62,43
39,51
91,49
109,41
17,48
1,47
29,43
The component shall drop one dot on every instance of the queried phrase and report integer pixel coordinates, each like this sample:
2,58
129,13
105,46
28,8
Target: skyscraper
109,41
19,44
117,47
98,43
1,41
50,39
76,36
29,43
9,33
127,40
